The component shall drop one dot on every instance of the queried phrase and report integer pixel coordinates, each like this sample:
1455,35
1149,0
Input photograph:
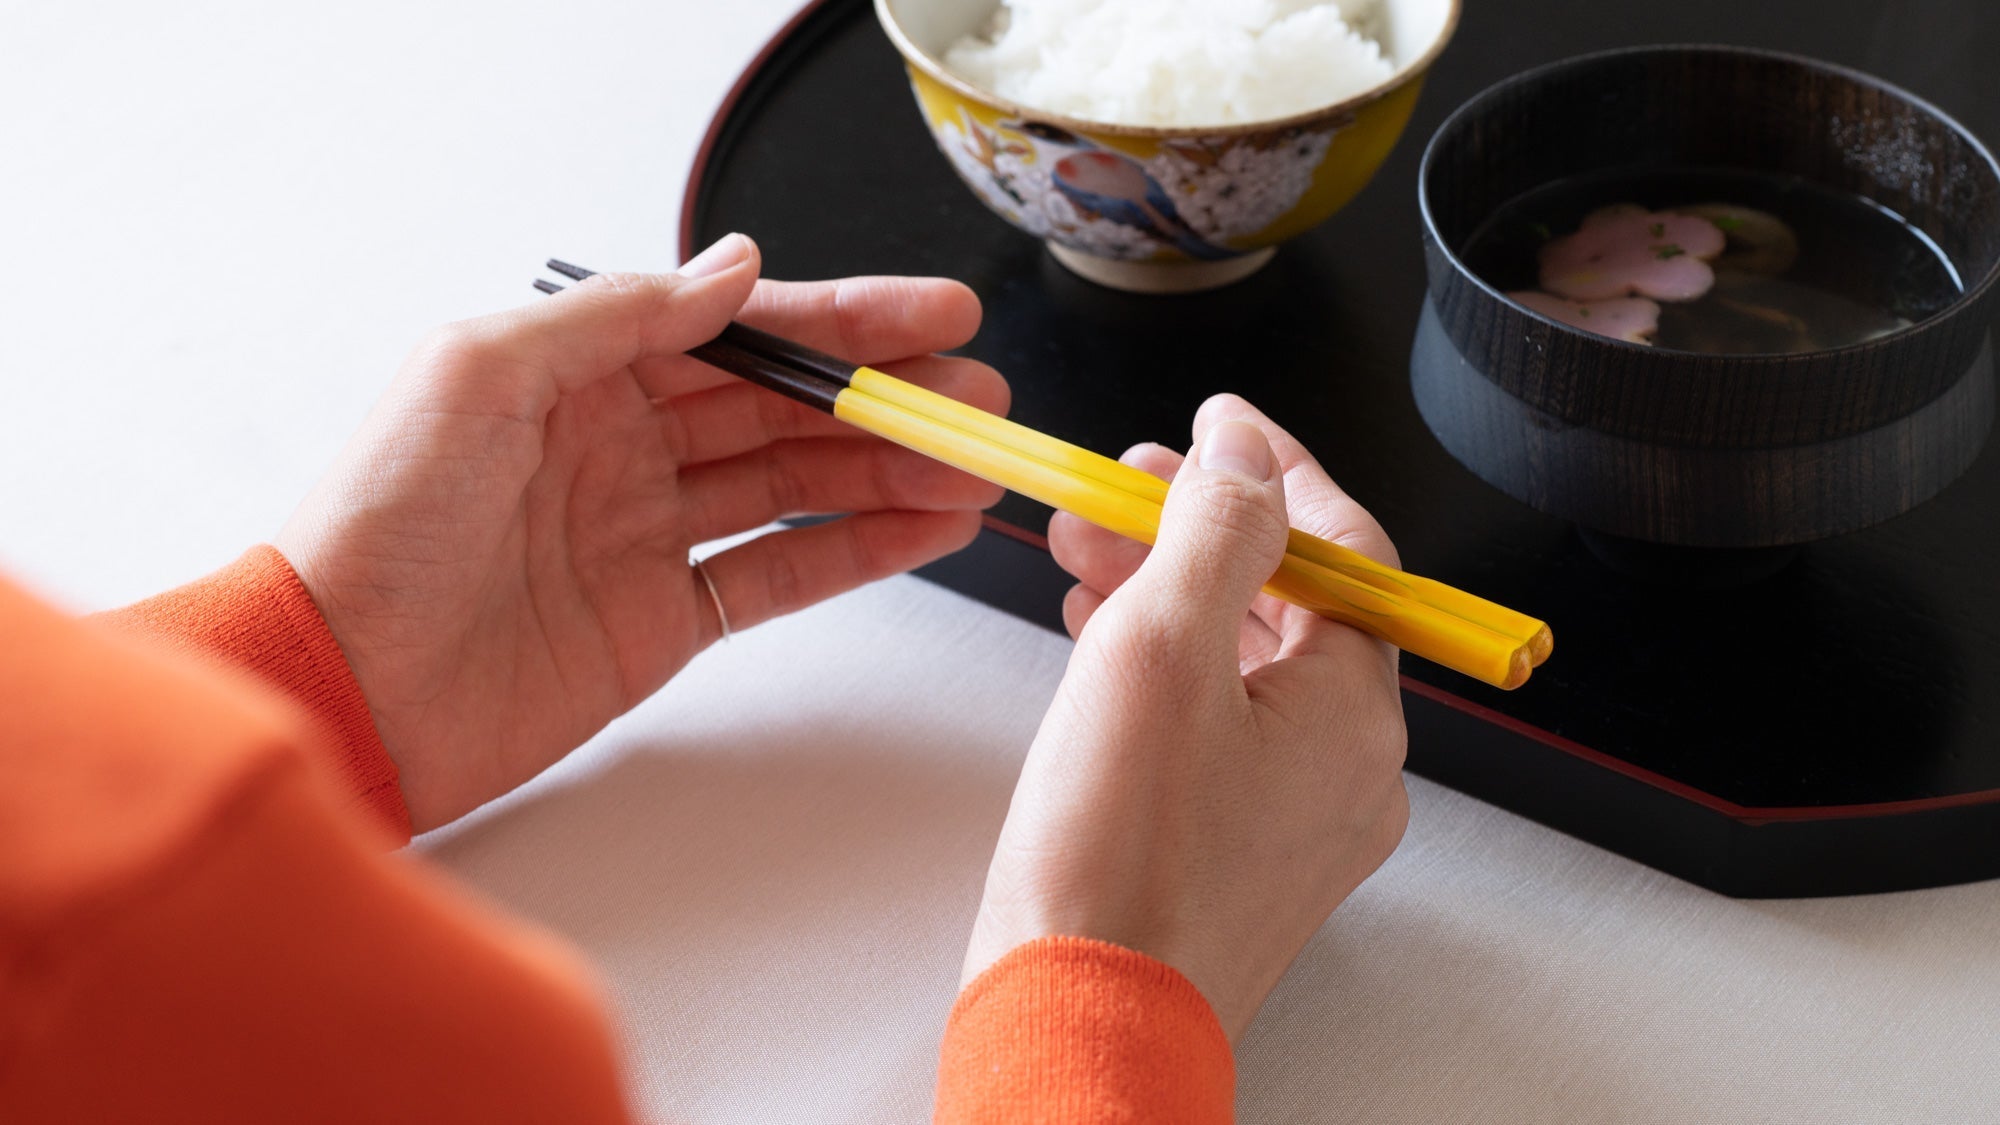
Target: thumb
1222,535
611,320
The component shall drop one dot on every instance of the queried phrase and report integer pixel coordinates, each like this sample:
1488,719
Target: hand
1219,769
502,551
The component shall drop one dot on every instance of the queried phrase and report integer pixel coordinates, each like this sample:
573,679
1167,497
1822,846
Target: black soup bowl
1646,447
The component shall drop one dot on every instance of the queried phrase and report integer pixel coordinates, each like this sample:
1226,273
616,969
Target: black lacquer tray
1834,729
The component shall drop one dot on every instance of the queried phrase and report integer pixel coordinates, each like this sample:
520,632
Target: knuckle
1070,542
449,345
678,437
1217,407
1230,503
866,552
1147,651
772,417
1234,526
461,367
620,283
968,381
894,478
851,311
993,388
1128,637
784,585
786,487
1079,606
969,526
1227,404
1338,518
1373,712
1142,642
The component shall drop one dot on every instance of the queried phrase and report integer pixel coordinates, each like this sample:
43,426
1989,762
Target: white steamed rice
1175,62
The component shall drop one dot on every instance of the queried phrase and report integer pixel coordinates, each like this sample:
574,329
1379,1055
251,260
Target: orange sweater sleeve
256,615
1072,1030
192,928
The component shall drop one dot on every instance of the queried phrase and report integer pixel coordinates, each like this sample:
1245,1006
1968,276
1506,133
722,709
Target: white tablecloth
227,223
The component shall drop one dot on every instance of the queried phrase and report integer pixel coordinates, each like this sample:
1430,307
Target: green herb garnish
1669,251
1657,229
1727,223
1541,231
1583,310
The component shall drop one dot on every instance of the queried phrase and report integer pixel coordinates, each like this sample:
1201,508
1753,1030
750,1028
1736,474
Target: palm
504,582
557,607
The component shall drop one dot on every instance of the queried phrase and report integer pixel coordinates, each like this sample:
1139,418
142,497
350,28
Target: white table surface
227,222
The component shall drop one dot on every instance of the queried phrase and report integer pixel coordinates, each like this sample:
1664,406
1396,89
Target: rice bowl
1168,208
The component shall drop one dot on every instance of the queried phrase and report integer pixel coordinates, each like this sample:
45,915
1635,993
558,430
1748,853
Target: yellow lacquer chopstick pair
1430,619
1419,615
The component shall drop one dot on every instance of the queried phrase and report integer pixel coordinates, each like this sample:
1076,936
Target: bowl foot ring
1161,277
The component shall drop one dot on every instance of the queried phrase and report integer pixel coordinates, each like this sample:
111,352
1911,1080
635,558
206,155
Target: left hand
502,550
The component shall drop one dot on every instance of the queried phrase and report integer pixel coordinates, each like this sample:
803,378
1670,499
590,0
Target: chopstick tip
1540,646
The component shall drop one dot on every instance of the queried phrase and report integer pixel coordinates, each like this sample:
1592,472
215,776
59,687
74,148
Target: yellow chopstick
1071,478
1300,547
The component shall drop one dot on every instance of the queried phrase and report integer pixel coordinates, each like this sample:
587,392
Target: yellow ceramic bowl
1237,190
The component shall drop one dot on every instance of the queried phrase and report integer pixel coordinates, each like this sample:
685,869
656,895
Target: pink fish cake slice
1625,250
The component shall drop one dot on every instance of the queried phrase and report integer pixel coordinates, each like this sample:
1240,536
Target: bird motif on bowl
1198,199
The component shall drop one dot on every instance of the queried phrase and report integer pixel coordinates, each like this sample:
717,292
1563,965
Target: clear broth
1861,270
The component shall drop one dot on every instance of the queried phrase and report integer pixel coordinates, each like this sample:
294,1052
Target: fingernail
728,252
1237,447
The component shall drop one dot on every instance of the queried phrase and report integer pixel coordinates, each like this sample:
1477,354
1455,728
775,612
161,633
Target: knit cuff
255,614
1069,1029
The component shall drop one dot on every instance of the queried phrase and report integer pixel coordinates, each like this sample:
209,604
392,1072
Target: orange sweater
200,919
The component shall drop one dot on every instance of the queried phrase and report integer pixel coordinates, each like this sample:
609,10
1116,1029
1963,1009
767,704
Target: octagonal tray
1834,729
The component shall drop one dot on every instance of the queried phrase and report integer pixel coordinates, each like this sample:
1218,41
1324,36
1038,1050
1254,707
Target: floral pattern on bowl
1193,198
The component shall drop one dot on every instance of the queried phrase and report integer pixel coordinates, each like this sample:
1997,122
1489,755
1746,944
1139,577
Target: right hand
1219,769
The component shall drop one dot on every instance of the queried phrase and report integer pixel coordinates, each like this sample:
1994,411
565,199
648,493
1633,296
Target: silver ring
714,595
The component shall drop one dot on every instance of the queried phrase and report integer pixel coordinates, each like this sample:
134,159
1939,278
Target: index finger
522,360
865,320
